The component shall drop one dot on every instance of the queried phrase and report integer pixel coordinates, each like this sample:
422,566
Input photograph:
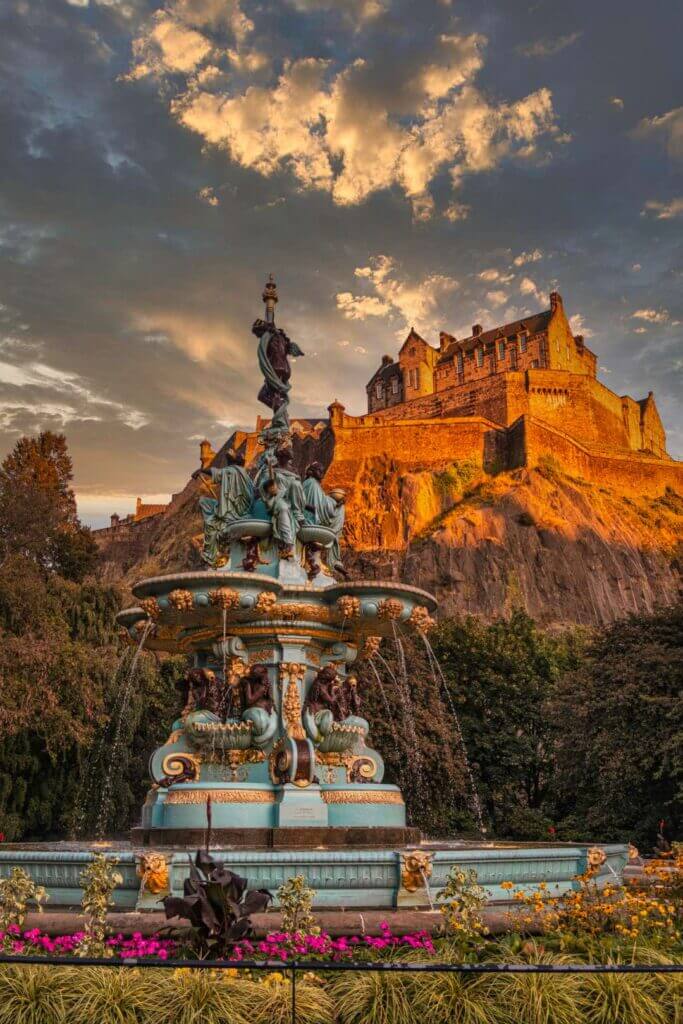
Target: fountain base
287,838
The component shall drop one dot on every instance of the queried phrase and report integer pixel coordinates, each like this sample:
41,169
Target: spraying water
438,676
115,751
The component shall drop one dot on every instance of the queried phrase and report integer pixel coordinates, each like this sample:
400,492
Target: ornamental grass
32,994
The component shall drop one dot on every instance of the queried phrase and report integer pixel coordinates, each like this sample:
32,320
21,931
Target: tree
62,670
619,756
38,517
500,677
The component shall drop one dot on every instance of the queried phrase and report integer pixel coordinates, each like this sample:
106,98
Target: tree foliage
619,720
38,517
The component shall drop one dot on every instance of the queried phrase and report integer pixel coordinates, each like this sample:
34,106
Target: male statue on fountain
233,501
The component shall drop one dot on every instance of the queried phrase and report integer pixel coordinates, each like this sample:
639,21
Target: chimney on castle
138,506
555,301
445,340
206,454
476,330
386,360
115,520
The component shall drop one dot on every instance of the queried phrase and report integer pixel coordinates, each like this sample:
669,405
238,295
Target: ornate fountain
270,757
271,749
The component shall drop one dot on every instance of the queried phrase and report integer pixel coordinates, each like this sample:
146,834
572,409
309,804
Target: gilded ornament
293,672
420,619
294,610
152,869
361,796
390,608
181,600
258,657
265,601
371,646
596,857
150,606
222,796
179,763
416,869
633,852
349,607
225,598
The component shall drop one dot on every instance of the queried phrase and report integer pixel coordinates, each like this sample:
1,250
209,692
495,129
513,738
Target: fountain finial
270,298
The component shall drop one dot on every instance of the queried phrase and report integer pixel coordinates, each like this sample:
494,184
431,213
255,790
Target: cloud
528,257
617,102
357,11
350,130
23,388
456,211
497,298
548,47
491,274
653,316
415,303
667,129
663,211
578,326
177,38
528,287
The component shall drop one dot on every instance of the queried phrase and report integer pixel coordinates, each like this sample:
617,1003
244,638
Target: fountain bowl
341,738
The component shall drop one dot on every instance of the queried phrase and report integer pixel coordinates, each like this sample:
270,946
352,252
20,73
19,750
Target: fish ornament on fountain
270,741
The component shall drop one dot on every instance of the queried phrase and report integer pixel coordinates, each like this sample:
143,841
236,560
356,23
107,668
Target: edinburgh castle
493,469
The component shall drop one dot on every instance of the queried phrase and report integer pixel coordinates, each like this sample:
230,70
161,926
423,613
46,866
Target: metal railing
292,968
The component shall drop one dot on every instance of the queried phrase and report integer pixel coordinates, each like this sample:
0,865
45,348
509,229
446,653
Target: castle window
379,390
513,357
394,385
461,363
522,341
480,356
534,364
501,349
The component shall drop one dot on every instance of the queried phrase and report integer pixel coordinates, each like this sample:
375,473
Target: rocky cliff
567,550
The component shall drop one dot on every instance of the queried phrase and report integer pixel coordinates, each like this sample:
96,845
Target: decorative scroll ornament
152,869
371,646
417,868
596,857
150,606
181,600
633,852
224,597
420,619
265,601
293,672
390,608
359,767
349,606
176,764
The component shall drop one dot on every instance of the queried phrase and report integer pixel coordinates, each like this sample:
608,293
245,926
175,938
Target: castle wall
627,472
412,444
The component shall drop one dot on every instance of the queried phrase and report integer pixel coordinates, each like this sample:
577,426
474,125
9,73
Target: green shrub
106,995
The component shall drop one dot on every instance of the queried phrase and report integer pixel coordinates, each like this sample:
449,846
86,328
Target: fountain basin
192,606
341,738
358,878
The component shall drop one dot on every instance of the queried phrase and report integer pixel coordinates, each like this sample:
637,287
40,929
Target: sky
430,163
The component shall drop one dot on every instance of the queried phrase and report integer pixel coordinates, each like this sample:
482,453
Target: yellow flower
507,885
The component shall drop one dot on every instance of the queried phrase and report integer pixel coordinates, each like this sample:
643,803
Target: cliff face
565,550
568,551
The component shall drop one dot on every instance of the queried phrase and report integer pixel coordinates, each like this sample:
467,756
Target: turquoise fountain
271,750
271,759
